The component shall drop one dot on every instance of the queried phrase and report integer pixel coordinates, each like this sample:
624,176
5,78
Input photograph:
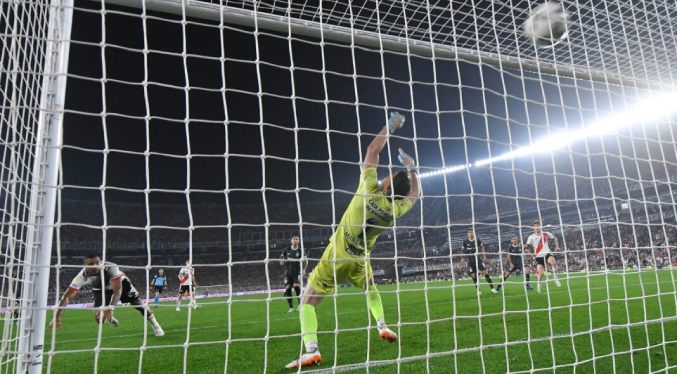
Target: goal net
212,132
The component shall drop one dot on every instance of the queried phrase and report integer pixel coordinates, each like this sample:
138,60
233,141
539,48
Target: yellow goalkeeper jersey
368,214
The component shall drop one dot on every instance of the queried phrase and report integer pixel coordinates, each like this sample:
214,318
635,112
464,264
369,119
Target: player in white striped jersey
109,285
186,286
538,241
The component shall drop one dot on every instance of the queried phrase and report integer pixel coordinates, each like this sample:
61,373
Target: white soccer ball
547,24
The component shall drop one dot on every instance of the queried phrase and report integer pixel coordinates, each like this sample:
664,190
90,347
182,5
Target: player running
515,259
116,287
473,247
159,282
186,286
291,259
346,258
539,242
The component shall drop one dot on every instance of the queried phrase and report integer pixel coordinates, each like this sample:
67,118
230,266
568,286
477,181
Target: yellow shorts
335,269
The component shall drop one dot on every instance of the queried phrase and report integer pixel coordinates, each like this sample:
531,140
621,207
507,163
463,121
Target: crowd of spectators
399,255
238,249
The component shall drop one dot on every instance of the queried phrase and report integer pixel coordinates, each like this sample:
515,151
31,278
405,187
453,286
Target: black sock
506,276
488,278
528,277
287,295
297,289
474,280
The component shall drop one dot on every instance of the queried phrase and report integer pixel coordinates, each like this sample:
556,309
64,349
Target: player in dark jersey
109,285
515,259
159,282
291,259
473,248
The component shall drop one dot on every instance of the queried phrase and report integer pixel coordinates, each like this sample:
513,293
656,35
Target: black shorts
129,295
475,264
291,279
159,289
186,288
542,260
516,264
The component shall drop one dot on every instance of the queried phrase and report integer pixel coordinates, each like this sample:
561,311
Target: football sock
287,295
153,321
308,326
374,303
297,289
488,278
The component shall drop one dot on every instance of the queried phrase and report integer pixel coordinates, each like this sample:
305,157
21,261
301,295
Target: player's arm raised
65,299
395,121
412,170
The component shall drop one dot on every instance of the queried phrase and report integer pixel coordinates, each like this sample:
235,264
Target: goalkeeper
374,207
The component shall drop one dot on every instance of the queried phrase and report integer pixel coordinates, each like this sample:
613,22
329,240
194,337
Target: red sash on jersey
185,279
544,237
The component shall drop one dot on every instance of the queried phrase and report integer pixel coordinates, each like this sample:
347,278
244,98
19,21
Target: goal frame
291,25
44,185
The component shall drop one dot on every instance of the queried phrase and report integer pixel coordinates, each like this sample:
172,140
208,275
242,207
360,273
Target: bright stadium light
647,110
447,170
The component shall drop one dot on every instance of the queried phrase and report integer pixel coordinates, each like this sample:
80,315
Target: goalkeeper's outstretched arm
412,171
376,146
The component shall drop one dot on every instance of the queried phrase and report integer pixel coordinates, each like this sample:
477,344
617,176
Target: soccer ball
547,24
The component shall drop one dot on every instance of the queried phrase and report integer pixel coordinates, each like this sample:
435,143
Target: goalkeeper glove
407,161
395,121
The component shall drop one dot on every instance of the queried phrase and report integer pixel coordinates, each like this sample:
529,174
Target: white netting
212,131
23,38
616,37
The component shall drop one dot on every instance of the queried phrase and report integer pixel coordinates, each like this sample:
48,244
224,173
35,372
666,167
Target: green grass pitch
584,306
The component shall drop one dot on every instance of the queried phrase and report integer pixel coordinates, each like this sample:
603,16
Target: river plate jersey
369,213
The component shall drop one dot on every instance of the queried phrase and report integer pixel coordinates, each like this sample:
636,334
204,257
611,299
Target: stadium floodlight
447,170
647,110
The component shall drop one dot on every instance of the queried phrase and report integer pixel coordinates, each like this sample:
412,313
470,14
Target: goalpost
35,41
580,135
